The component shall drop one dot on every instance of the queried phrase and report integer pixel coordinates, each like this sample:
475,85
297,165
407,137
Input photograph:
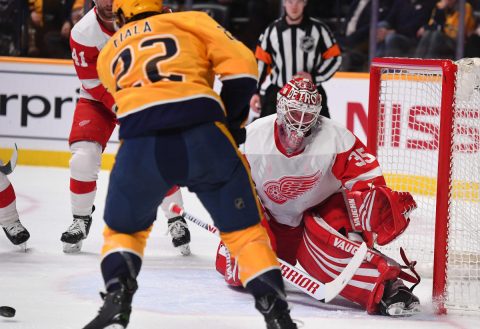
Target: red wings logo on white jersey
289,188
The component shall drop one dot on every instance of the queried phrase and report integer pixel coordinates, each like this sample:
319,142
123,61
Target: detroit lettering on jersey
132,30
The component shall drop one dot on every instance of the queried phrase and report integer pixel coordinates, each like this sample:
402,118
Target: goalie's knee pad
251,248
85,161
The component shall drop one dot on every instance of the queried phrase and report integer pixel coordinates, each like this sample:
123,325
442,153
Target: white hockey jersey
87,38
289,185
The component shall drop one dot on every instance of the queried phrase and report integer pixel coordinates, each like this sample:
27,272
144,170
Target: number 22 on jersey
158,49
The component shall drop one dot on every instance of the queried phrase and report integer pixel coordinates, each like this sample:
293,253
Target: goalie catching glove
379,213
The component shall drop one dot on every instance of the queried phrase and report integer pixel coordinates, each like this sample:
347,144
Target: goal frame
449,70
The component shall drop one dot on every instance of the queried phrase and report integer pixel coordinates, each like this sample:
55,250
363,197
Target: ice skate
78,231
398,300
276,312
116,309
17,234
178,228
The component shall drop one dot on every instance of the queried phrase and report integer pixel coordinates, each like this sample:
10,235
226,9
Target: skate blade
185,250
399,310
22,246
72,248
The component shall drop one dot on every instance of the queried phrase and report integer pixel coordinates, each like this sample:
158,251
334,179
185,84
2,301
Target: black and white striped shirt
284,50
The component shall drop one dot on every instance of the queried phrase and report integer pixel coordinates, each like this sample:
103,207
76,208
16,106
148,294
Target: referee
294,45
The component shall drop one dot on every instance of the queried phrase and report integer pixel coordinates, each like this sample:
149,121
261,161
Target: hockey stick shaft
7,168
296,277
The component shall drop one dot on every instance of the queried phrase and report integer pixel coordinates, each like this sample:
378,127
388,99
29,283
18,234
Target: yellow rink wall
49,158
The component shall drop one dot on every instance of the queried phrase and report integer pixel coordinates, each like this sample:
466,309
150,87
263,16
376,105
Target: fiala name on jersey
132,30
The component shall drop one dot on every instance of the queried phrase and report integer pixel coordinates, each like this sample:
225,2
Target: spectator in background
259,15
397,34
356,35
322,8
294,45
472,46
11,22
439,36
52,21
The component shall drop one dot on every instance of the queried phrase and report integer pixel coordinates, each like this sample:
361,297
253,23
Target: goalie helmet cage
424,128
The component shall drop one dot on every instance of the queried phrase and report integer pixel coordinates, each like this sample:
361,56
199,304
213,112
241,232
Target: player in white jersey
93,124
9,219
322,193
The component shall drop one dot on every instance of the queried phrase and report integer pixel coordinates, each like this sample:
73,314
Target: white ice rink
51,290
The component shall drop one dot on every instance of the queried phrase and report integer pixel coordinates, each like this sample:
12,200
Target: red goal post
424,128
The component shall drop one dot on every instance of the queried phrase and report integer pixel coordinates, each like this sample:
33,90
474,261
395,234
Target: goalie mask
298,110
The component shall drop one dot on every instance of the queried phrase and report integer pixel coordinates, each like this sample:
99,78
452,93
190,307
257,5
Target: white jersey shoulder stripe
376,172
88,32
90,83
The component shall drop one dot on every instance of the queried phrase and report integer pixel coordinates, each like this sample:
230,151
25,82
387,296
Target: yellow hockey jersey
161,70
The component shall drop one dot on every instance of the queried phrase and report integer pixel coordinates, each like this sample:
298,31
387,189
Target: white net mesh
408,147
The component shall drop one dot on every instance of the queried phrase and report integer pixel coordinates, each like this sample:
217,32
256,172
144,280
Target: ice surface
52,290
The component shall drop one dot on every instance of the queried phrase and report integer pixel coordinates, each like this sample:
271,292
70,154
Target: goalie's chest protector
286,185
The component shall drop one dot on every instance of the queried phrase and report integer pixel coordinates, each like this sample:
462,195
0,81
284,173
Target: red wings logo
289,188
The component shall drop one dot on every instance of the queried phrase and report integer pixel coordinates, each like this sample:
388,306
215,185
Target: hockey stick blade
7,311
296,277
8,168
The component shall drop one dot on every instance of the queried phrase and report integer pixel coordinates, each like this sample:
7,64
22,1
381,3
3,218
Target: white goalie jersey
289,185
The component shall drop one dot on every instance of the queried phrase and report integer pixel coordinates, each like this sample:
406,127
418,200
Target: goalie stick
7,311
7,168
324,292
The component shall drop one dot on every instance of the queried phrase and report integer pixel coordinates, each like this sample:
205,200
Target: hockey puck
7,311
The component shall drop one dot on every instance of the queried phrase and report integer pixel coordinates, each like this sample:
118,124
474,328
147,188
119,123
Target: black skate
16,233
116,309
276,312
178,228
398,300
78,231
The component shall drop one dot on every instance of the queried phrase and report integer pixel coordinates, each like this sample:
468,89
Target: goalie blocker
324,252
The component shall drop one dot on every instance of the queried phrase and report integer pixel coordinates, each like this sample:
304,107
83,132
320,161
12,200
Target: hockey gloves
379,213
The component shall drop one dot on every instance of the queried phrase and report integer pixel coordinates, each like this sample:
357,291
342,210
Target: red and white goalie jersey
288,185
87,38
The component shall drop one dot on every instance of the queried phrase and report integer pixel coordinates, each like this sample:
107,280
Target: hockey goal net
424,127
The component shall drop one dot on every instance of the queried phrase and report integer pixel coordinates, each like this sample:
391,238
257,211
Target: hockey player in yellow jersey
176,130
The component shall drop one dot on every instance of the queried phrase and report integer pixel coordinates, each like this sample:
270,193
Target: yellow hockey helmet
124,10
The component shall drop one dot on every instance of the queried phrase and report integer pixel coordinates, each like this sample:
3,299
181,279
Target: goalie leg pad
227,266
326,262
324,259
251,248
